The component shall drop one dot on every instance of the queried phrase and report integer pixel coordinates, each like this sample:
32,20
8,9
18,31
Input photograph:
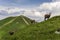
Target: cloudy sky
34,9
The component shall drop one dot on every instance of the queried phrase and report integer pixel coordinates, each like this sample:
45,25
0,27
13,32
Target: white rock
57,32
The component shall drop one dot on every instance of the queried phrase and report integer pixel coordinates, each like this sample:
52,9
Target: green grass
40,31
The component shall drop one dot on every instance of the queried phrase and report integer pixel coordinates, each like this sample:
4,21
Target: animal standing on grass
47,16
33,21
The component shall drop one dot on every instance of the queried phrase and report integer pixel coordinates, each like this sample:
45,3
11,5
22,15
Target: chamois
32,21
47,16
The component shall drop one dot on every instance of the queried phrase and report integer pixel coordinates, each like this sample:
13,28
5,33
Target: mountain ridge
39,31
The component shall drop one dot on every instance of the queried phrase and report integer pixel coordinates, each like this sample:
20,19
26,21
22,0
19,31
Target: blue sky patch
22,3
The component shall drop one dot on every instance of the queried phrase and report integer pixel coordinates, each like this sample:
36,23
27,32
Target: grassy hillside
22,31
5,20
13,24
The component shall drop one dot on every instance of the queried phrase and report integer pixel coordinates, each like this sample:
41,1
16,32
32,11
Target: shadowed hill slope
39,31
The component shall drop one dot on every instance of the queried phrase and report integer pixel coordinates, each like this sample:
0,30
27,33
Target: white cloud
55,0
53,7
13,10
17,11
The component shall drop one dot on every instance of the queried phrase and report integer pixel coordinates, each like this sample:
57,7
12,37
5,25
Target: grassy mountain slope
39,31
43,31
13,24
5,20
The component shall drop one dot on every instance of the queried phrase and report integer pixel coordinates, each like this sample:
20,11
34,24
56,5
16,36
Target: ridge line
8,22
25,21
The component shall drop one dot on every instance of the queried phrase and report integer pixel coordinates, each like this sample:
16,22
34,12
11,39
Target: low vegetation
21,31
